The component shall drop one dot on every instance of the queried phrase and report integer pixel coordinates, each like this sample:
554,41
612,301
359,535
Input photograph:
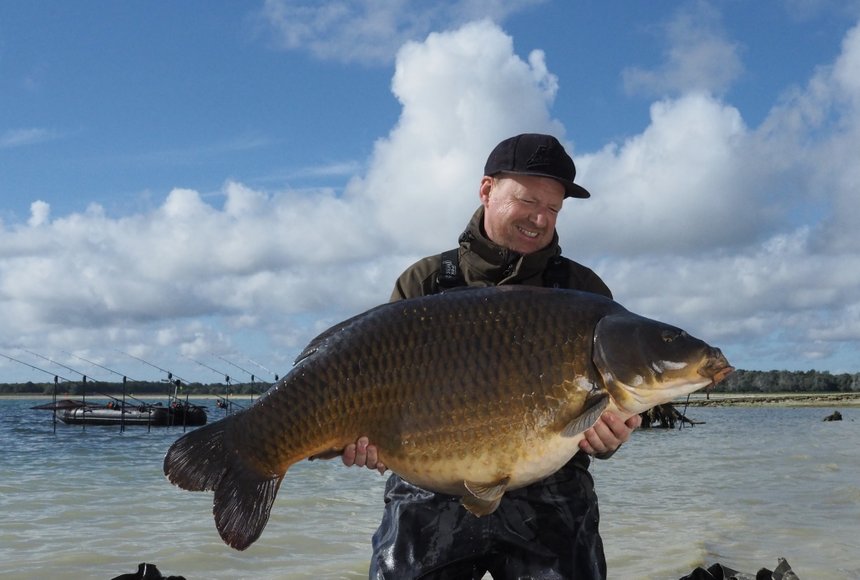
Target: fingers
348,456
362,454
356,453
608,433
372,456
591,443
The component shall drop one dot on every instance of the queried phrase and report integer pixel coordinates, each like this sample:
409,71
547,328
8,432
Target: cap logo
544,155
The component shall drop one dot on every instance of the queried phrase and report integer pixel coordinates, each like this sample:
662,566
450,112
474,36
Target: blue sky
226,179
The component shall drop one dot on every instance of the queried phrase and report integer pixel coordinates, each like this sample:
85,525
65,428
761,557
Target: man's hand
362,454
608,434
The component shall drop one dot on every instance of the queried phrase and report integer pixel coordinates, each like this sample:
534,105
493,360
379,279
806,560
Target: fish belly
523,464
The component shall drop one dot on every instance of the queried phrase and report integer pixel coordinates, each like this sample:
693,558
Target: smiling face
520,211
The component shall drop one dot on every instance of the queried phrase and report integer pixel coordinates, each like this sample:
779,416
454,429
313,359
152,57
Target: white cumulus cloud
745,235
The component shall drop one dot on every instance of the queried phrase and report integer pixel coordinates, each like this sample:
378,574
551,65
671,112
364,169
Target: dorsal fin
317,343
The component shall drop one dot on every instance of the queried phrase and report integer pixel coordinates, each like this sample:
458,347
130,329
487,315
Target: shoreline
843,399
147,398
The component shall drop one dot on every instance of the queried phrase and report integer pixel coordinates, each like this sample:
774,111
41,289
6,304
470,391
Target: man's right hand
362,454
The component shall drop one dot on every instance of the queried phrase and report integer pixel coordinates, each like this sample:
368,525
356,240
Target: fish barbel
471,393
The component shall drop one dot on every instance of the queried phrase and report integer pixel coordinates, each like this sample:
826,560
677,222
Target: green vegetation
136,388
738,382
742,381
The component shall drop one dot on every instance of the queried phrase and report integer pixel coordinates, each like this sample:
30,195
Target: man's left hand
608,434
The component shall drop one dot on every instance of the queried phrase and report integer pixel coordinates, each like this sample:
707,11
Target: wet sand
850,399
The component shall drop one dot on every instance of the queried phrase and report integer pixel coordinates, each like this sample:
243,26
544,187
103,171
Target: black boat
176,414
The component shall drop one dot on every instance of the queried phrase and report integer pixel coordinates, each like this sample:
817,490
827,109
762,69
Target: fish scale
470,393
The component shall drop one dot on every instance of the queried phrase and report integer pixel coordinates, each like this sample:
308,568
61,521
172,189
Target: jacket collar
485,262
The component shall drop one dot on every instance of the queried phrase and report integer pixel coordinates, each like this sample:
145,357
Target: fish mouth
717,368
723,373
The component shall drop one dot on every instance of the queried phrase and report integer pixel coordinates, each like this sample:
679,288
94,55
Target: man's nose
539,218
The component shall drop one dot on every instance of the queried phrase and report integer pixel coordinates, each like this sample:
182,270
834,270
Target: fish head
644,362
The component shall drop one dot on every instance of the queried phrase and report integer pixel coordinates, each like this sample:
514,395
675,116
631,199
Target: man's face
520,211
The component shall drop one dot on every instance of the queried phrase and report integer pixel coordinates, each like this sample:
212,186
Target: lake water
749,486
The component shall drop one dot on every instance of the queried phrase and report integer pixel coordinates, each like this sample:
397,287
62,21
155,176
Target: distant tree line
740,381
135,388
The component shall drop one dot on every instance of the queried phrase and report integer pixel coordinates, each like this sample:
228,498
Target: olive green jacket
484,263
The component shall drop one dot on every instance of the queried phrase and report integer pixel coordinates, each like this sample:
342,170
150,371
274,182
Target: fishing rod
225,375
143,405
175,403
123,403
125,379
59,364
49,373
140,402
170,374
253,376
55,375
246,371
264,368
227,403
95,364
253,386
172,378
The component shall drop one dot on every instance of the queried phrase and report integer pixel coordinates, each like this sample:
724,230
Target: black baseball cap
535,154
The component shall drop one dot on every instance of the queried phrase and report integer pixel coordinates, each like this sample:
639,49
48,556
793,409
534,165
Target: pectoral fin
328,454
482,499
594,406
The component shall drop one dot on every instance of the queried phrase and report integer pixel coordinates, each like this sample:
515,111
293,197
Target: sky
206,185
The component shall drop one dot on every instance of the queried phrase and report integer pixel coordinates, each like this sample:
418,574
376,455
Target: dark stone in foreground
719,572
147,572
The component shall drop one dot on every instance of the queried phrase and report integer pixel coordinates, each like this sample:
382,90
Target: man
550,528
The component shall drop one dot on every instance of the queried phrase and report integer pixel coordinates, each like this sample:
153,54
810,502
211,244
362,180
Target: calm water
747,487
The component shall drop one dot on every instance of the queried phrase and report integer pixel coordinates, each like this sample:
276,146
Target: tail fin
205,460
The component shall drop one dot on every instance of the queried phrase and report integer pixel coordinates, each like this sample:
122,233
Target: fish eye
671,335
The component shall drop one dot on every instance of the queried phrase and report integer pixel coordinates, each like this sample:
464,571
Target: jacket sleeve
584,278
417,280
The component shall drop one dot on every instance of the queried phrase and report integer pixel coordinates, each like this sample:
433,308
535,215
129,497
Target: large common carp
471,393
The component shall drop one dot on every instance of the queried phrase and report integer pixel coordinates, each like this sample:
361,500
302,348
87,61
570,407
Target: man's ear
484,191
